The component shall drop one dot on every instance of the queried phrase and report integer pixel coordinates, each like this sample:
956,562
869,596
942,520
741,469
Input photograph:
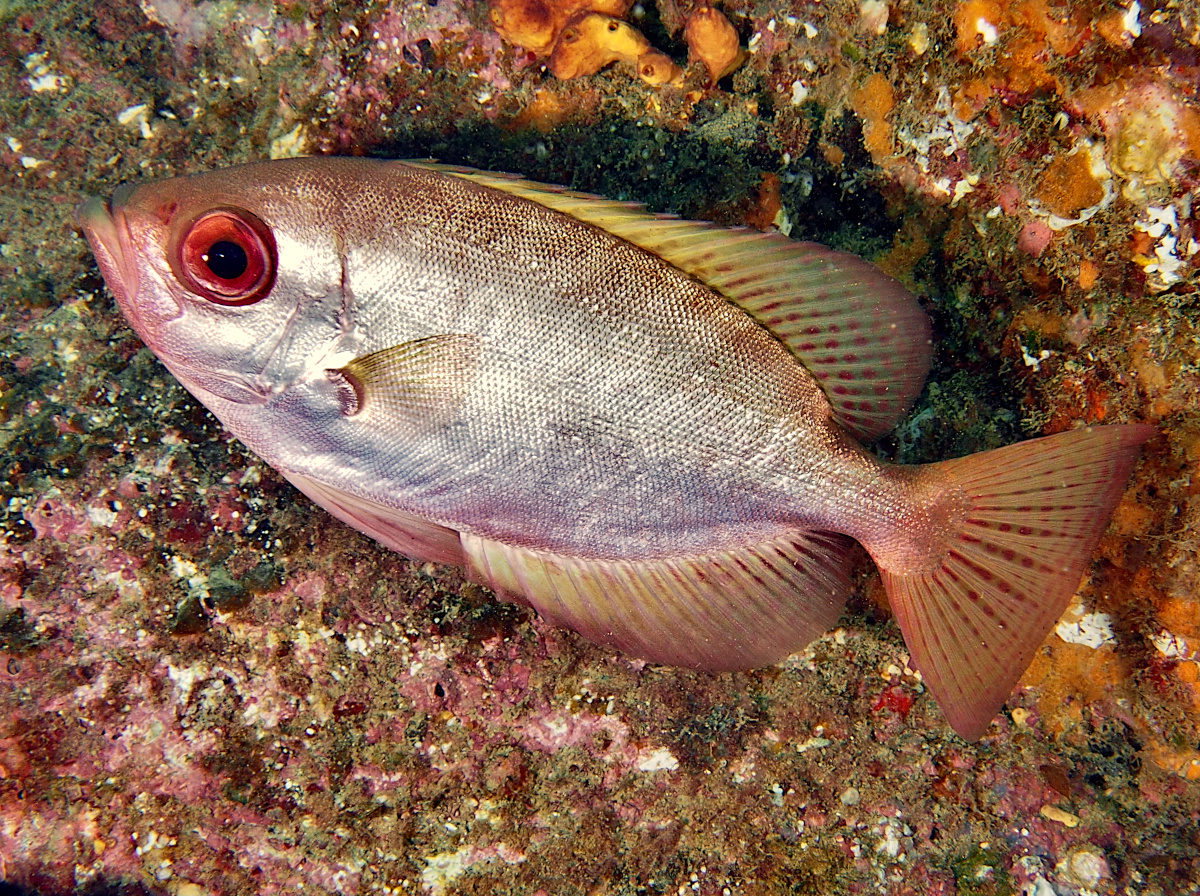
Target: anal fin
410,535
734,609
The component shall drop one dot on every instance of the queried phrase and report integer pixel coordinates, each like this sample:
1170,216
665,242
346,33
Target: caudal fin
1037,510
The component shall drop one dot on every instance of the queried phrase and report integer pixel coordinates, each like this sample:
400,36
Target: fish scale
642,427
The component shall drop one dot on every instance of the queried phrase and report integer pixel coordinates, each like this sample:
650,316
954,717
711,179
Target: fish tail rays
1007,561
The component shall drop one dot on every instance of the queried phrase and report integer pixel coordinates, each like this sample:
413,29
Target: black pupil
227,260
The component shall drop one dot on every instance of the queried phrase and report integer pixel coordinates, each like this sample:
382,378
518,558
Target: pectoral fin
422,382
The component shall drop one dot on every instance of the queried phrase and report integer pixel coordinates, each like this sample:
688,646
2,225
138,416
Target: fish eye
227,255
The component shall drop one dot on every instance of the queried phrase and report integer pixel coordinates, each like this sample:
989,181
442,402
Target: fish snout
103,225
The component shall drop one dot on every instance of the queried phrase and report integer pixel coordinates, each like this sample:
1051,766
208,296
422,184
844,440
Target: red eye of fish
228,256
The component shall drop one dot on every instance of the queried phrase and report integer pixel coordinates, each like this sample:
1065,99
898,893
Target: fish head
233,278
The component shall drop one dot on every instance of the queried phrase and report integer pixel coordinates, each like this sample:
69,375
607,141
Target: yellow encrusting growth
873,102
1068,185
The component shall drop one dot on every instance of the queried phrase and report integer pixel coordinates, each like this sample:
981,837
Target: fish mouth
103,224
107,226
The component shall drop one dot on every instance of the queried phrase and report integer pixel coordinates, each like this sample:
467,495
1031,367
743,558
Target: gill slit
346,321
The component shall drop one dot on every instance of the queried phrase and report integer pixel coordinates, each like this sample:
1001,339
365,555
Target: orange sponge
656,69
591,41
712,40
536,24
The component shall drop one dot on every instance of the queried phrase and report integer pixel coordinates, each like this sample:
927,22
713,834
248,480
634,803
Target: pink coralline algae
404,35
1034,237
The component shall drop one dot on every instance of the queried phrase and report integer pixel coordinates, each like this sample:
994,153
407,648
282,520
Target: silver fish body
602,413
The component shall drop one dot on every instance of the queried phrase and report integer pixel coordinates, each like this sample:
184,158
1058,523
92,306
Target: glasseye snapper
644,427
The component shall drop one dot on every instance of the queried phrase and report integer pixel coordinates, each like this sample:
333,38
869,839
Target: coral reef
209,687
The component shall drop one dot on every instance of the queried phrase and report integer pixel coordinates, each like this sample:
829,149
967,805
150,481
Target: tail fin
974,621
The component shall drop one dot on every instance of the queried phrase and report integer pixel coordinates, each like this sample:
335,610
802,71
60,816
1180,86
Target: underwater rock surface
208,686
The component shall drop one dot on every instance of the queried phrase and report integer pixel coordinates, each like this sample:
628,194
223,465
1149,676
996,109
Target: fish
650,430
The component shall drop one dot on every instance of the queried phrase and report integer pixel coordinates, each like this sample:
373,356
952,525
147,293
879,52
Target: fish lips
107,232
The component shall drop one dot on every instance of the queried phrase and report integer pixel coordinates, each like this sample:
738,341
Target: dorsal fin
859,331
735,609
